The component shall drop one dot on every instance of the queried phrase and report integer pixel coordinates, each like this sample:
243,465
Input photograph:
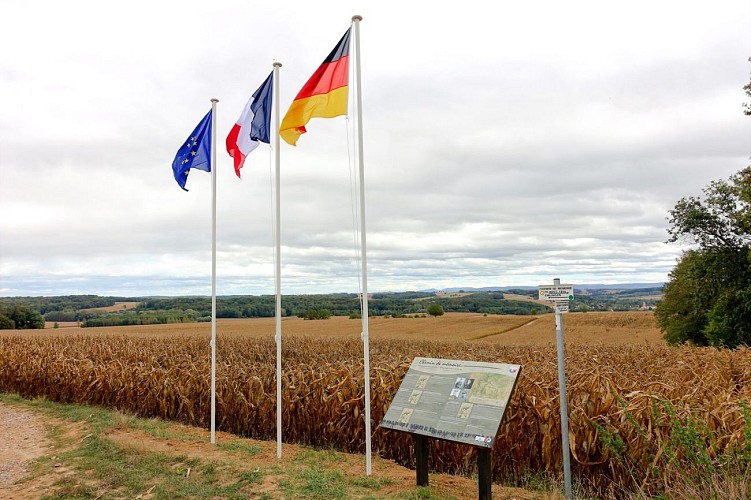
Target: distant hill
584,286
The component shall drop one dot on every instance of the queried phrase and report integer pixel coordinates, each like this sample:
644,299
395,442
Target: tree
6,323
315,314
723,219
682,315
21,318
706,299
435,310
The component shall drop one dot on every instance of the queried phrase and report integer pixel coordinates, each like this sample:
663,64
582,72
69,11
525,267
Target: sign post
461,401
422,451
560,295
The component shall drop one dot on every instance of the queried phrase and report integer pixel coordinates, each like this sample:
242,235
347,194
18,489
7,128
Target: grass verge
99,453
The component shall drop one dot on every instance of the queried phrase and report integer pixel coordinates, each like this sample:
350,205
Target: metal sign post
560,296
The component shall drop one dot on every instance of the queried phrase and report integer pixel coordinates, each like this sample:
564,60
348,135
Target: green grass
422,492
312,455
160,429
371,483
239,446
124,471
312,476
318,482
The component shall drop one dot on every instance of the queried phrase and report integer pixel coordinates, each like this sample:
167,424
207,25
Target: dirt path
22,440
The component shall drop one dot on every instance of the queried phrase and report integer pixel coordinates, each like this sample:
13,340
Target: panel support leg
484,474
421,459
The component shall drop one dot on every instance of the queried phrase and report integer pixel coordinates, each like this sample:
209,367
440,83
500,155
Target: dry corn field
635,390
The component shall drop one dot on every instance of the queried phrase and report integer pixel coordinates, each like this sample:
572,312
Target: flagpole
278,264
360,158
213,270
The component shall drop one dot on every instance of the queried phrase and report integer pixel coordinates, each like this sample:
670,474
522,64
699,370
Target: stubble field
630,395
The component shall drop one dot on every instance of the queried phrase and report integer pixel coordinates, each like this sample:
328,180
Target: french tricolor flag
253,126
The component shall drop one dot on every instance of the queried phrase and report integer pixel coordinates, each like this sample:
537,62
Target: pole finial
277,64
214,99
357,18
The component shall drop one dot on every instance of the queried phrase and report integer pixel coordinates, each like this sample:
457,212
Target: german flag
323,96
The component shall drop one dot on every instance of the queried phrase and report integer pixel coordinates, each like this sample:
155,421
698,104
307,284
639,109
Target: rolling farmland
625,385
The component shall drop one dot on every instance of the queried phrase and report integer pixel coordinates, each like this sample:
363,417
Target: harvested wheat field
631,397
594,328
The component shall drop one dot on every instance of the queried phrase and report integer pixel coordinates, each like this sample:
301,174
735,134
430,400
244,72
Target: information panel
461,401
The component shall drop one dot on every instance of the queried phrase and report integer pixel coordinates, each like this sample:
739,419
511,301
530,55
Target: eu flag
195,152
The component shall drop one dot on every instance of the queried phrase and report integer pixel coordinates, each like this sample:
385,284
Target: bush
316,314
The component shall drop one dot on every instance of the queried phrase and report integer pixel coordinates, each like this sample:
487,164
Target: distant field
525,298
118,306
600,328
606,328
61,324
450,295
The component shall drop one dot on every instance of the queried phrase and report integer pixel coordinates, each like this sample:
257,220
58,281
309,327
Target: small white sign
561,307
556,292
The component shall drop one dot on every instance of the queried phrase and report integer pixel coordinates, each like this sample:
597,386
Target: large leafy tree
20,317
708,295
721,220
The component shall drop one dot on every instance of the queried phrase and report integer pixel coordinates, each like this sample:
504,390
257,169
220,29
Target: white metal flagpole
213,270
278,265
360,158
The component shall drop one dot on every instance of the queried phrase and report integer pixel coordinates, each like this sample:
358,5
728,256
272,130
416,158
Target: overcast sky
506,143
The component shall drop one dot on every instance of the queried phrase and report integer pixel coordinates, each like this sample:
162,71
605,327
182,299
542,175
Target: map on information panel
456,400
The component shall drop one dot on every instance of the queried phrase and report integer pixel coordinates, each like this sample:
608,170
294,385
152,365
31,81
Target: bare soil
23,439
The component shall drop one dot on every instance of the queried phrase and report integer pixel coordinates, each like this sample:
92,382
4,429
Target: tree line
161,310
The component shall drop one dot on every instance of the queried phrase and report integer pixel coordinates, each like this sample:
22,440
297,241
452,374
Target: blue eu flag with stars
195,152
